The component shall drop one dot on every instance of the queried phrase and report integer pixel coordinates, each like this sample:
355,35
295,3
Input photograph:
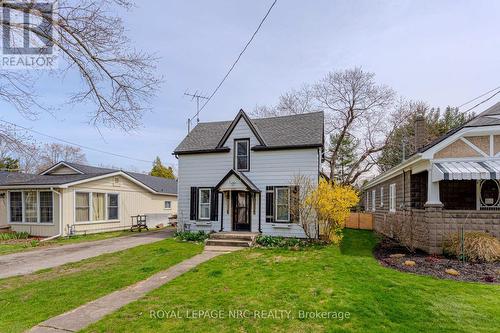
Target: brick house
449,183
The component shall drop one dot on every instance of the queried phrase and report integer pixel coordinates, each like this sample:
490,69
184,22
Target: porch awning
466,170
236,181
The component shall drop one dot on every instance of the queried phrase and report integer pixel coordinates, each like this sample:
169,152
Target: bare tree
53,153
355,106
303,209
91,40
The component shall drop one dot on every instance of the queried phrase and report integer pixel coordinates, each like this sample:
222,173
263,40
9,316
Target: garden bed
387,253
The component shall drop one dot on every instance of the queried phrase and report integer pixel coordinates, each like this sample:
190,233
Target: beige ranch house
70,198
450,183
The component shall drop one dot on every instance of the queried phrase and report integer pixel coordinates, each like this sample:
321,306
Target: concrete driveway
32,261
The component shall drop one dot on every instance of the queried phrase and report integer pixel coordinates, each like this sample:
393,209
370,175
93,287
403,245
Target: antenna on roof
193,97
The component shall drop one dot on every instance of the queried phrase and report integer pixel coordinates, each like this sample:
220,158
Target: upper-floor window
242,154
167,204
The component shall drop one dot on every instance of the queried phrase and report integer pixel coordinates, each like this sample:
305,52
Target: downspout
60,218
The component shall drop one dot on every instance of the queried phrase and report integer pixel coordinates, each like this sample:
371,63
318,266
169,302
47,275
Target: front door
241,211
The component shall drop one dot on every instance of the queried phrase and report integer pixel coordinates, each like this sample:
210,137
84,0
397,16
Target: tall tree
53,153
9,164
401,143
355,107
159,170
117,81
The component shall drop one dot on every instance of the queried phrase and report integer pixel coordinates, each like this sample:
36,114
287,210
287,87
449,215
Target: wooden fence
360,221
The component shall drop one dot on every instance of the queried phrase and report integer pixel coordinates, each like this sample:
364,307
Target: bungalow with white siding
450,183
238,176
71,198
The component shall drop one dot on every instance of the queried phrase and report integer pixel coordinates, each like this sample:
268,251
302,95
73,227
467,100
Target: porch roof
235,180
466,170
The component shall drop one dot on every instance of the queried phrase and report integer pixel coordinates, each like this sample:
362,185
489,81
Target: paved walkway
92,312
31,261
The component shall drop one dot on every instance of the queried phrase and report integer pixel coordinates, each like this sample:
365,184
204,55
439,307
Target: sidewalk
92,312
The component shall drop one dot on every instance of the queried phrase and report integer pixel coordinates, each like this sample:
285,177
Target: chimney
419,132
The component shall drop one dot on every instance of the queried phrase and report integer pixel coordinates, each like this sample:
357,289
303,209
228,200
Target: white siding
267,168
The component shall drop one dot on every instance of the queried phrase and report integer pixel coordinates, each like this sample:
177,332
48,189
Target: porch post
432,191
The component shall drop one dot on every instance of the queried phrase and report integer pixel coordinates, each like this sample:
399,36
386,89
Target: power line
482,102
237,59
478,97
76,144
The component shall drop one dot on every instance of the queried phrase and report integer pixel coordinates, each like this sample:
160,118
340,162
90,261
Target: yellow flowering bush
332,204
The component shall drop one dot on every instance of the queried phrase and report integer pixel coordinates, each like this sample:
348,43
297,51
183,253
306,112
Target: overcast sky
442,52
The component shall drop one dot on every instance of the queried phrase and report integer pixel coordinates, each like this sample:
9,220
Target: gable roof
489,117
84,173
294,131
241,176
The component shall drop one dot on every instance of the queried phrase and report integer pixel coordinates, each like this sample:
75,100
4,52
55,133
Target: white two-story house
239,175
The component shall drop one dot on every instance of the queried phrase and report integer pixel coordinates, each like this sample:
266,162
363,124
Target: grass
21,245
336,279
28,300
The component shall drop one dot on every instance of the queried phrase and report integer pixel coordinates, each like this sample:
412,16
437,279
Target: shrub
191,236
284,242
14,235
478,246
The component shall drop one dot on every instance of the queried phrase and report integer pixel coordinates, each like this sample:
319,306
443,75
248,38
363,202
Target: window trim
381,196
276,189
374,200
117,206
209,203
91,221
392,198
170,204
235,154
23,220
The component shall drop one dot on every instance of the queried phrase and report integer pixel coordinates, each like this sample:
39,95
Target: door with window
241,211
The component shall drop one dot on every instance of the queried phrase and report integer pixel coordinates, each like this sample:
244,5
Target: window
374,200
204,203
98,207
82,207
382,196
392,198
112,206
168,204
46,208
31,207
16,206
242,154
282,204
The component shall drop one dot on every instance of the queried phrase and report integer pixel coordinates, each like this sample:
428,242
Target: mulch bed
434,265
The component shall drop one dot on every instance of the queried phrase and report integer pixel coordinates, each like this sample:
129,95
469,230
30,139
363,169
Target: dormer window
242,154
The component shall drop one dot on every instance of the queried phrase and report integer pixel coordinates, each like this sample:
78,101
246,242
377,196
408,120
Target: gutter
384,176
60,218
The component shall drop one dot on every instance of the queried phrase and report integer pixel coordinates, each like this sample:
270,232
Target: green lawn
335,279
28,300
7,247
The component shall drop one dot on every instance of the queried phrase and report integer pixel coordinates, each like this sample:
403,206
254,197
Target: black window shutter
294,203
193,215
269,203
214,207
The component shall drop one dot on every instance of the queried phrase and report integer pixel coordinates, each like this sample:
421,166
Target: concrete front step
247,236
228,242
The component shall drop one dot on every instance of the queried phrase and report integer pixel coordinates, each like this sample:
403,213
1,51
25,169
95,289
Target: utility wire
478,97
76,144
483,101
236,61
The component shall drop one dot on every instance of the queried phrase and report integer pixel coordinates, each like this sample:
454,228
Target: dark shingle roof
300,130
489,117
157,184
